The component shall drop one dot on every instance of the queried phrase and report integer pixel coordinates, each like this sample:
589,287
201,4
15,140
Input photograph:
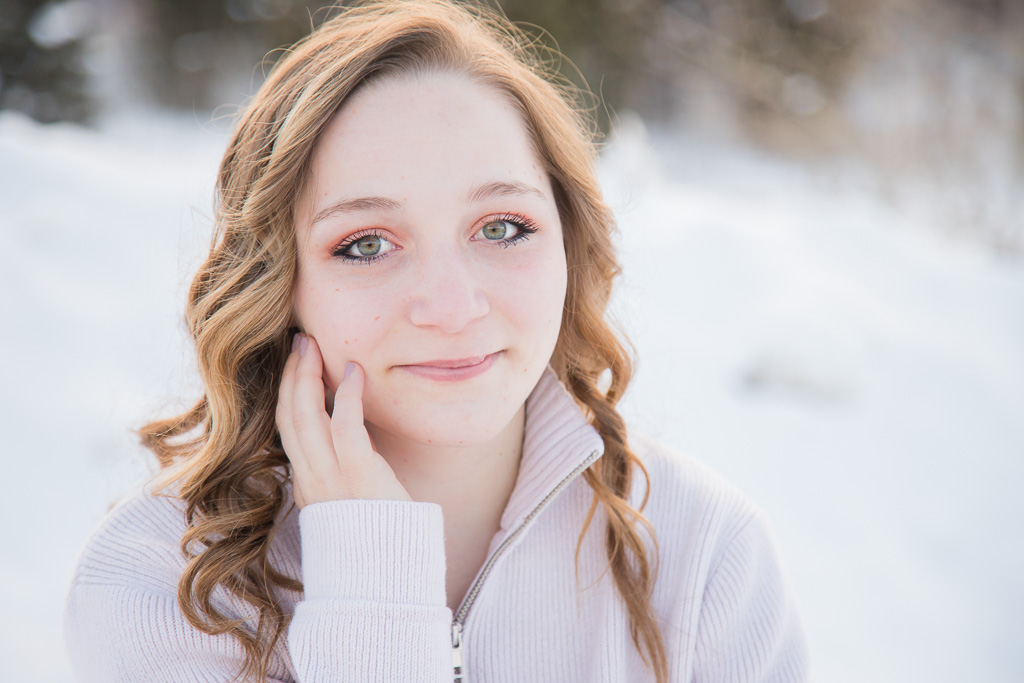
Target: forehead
427,130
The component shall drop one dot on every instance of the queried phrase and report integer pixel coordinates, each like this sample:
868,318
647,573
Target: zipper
457,650
460,617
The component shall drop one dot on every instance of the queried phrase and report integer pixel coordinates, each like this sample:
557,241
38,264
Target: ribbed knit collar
557,440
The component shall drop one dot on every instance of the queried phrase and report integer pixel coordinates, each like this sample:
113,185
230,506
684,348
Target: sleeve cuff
384,551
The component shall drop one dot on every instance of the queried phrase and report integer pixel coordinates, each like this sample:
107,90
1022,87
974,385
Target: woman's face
430,252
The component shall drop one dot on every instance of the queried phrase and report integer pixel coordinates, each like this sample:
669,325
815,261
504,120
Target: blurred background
924,89
821,207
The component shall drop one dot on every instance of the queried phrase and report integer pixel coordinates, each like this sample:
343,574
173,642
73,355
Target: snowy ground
861,377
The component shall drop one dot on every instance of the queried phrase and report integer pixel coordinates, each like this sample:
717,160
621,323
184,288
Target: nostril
449,311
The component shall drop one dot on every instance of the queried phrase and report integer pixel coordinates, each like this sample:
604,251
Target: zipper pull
460,672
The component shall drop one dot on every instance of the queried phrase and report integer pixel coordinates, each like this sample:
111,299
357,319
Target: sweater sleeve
374,606
748,630
121,634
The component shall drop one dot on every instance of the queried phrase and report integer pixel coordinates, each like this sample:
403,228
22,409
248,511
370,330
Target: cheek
347,324
535,298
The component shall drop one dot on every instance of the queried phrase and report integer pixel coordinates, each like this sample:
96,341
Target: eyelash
339,251
524,228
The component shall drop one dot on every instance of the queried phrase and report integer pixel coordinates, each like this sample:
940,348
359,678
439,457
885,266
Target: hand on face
331,456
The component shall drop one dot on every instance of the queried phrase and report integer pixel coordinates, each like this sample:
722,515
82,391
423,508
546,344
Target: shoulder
724,590
137,544
122,618
121,607
681,485
697,515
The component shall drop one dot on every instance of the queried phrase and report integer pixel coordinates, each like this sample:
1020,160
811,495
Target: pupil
369,246
495,231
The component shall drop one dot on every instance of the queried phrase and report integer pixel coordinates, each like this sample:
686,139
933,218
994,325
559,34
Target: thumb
347,429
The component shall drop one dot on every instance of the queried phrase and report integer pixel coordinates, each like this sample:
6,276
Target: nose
449,294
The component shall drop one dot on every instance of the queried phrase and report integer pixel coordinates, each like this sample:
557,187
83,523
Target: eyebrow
499,189
357,204
476,194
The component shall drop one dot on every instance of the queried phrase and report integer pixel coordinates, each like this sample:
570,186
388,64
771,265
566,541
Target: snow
857,373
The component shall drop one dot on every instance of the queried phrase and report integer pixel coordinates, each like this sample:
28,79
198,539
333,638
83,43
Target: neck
478,477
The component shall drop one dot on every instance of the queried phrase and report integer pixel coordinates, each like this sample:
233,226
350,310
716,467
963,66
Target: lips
459,363
452,370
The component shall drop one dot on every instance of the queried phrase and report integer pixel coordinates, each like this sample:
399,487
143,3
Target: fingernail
303,343
295,341
349,367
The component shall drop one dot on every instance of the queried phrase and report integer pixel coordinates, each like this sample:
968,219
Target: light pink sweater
374,606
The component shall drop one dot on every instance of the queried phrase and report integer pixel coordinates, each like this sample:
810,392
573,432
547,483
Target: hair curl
224,454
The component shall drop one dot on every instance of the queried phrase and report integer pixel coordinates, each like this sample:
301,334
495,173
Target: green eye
497,230
368,246
506,230
365,249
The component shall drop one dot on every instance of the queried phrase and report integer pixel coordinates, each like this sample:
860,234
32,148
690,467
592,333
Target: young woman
407,464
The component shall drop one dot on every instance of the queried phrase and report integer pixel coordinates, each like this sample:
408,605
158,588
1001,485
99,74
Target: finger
283,417
348,432
300,499
310,421
328,399
364,473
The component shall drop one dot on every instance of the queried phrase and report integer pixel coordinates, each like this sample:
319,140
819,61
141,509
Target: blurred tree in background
41,71
773,64
912,86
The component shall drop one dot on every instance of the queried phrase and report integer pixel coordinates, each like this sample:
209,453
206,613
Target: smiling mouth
449,364
452,370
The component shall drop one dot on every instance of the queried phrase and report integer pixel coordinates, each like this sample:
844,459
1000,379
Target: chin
448,428
466,423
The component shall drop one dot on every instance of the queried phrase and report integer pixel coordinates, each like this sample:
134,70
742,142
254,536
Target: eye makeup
372,245
524,227
365,246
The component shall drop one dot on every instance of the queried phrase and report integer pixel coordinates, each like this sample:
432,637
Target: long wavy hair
224,455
